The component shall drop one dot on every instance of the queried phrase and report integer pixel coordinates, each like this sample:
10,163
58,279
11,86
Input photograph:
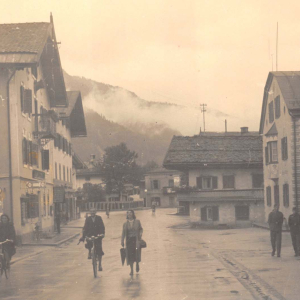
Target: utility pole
203,110
277,48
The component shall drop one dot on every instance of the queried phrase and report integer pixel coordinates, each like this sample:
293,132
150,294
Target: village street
178,263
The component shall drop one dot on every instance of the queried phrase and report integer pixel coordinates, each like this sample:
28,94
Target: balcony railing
168,190
257,193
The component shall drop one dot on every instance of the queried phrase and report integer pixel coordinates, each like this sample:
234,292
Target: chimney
244,130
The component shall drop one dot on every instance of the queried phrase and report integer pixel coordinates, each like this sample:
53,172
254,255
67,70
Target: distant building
32,94
224,176
160,187
280,128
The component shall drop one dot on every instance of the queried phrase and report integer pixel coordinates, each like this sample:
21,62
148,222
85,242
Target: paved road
177,264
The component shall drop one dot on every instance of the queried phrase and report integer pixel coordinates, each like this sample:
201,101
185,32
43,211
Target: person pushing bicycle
7,232
94,226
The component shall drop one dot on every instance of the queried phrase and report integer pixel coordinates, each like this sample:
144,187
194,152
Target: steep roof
74,111
31,44
289,84
214,150
88,172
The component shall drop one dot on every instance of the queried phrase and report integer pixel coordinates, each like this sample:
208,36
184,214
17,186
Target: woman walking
132,232
7,232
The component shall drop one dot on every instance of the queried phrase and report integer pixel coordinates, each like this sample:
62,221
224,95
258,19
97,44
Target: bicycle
94,253
4,260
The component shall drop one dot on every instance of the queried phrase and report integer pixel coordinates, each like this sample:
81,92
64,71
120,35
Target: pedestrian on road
7,232
94,226
57,221
275,221
107,211
294,224
132,232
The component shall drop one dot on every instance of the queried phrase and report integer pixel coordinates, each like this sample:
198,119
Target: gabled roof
198,151
272,131
89,172
74,112
289,84
32,44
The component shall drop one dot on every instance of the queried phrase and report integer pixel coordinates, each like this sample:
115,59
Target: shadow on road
132,287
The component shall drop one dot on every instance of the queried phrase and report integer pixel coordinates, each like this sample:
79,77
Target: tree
93,192
118,167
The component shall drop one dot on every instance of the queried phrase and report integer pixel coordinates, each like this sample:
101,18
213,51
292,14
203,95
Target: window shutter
199,182
215,182
203,213
215,212
158,184
25,155
152,185
29,152
28,101
276,194
277,107
35,155
266,155
45,159
22,98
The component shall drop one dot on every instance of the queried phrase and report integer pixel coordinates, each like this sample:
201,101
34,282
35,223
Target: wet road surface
177,264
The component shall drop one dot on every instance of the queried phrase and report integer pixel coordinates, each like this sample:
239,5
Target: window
269,197
242,212
155,184
228,182
207,183
210,213
59,172
171,182
286,200
64,173
277,107
257,180
276,194
22,98
271,112
29,208
155,201
284,148
27,101
70,174
30,153
25,151
45,159
67,174
271,153
87,178
55,170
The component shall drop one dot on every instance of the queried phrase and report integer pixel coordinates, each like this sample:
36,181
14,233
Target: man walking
275,221
294,224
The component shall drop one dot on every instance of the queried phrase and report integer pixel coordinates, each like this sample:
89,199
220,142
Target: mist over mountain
114,115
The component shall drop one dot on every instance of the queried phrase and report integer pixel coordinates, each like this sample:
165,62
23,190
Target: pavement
178,263
68,232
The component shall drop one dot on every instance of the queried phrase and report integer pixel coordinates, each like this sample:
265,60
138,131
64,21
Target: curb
54,244
27,256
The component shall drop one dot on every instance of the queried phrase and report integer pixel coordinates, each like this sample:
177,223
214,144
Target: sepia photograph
150,150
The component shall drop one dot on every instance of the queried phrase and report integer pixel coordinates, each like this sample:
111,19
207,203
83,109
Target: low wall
112,205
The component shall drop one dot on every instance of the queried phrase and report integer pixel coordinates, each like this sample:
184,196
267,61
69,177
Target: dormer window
271,112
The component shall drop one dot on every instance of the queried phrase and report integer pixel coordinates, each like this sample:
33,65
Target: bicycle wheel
94,262
6,265
1,265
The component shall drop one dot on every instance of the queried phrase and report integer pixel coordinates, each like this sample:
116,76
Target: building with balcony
280,128
224,177
160,187
32,90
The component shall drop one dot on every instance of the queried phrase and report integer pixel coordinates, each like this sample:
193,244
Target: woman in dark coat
132,233
7,232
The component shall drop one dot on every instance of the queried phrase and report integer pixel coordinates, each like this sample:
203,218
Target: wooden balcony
45,126
222,195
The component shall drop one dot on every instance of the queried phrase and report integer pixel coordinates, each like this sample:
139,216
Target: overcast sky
182,51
